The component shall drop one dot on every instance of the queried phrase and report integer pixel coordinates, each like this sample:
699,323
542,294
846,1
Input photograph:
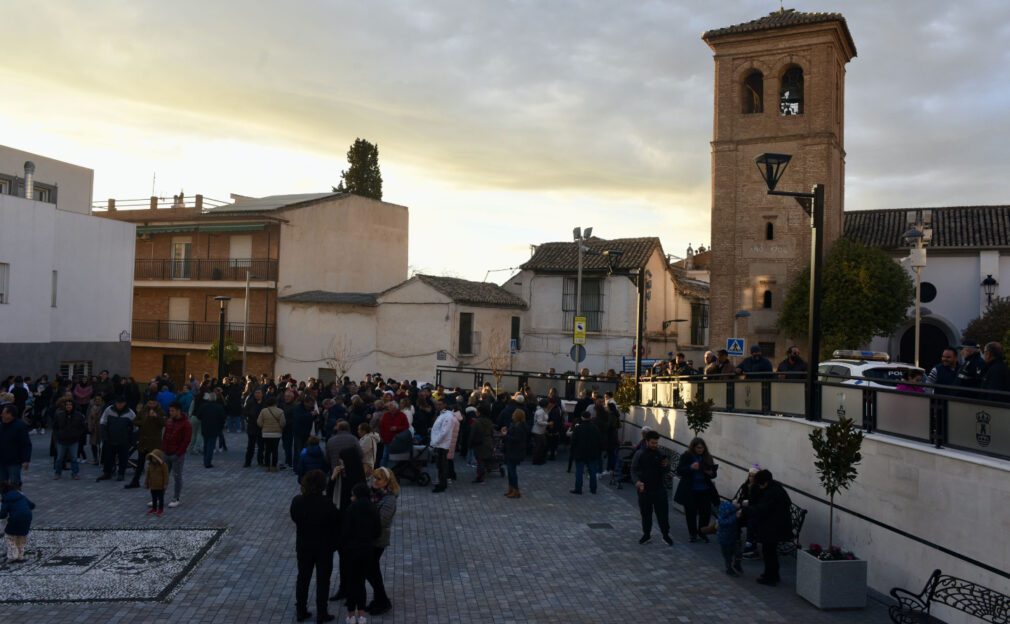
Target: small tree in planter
836,451
699,415
625,394
830,578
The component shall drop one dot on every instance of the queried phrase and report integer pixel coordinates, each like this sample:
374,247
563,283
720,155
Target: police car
864,368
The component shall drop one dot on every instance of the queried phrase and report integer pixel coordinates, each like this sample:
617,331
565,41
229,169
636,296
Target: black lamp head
772,166
989,285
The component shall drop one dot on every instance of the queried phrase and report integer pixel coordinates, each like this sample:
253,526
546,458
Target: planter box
831,584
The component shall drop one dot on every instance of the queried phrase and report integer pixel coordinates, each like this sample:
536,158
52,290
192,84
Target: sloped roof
564,257
954,227
783,18
325,296
691,288
473,293
271,202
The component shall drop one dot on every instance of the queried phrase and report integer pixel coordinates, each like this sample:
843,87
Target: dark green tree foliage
994,325
363,176
836,455
864,294
699,415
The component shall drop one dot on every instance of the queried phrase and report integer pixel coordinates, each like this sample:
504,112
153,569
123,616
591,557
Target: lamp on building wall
989,286
915,237
223,300
772,167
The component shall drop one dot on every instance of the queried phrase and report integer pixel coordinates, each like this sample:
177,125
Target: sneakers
645,539
175,503
668,540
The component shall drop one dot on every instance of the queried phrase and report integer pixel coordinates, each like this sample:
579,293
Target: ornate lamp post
772,166
989,286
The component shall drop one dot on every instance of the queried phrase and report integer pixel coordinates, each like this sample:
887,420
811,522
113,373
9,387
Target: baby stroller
409,460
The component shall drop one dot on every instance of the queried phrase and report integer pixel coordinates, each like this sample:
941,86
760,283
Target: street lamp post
245,324
917,256
580,236
772,166
223,300
989,286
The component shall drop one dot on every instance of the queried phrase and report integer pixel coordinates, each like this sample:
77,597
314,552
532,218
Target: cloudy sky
500,124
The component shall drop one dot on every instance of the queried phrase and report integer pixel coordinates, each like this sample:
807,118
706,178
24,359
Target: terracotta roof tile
954,227
783,18
473,293
564,257
325,296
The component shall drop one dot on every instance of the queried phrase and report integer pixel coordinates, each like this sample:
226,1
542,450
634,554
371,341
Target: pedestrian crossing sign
735,346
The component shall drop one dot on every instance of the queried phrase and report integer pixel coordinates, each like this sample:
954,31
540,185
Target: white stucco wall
350,244
309,333
75,183
94,258
953,499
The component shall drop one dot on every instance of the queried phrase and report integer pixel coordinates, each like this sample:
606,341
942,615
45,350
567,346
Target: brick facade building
779,87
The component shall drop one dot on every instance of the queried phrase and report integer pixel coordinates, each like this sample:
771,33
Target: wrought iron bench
988,605
798,516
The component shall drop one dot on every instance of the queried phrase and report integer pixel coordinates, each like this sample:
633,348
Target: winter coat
361,527
393,423
457,421
316,523
17,509
70,427
178,434
94,416
996,377
587,443
311,458
540,420
165,398
369,444
251,412
117,426
337,443
441,432
515,443
157,471
482,438
769,516
150,424
385,504
683,495
301,421
212,417
647,467
271,422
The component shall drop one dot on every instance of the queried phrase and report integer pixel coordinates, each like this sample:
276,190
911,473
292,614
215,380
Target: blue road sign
577,353
735,346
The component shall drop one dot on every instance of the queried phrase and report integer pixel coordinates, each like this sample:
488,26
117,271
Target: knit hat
756,468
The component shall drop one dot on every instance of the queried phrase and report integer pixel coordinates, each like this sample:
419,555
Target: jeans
594,467
63,453
270,451
11,472
698,511
234,424
510,467
196,443
175,466
656,501
208,452
320,560
116,458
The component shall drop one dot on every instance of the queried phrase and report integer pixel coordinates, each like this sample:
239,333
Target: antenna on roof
154,179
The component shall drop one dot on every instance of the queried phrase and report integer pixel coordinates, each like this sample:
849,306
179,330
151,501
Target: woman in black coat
361,527
315,520
769,519
515,449
696,492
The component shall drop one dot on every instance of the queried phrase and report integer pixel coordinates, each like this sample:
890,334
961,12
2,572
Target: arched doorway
932,341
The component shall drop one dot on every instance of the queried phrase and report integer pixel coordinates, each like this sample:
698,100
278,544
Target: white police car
863,368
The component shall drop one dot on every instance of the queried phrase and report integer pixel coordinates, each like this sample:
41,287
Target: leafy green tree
864,293
836,455
363,176
699,415
994,325
230,350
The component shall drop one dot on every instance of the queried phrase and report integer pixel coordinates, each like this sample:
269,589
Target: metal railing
956,417
202,332
567,386
214,269
159,203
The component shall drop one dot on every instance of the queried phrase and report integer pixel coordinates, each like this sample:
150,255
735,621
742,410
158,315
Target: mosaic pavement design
99,565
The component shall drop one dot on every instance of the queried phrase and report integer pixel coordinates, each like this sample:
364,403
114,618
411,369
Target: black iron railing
222,269
202,332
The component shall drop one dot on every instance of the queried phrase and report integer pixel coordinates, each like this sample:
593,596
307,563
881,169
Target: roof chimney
29,179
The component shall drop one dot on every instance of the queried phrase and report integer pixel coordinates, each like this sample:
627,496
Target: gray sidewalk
467,555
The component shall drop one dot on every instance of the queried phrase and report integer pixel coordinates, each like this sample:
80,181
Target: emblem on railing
840,412
982,435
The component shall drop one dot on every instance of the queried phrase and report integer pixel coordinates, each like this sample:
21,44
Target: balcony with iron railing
213,269
202,332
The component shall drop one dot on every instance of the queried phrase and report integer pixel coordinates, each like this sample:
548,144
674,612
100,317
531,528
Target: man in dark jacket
757,366
587,444
116,425
150,424
793,367
303,417
648,468
69,429
254,445
15,445
969,376
769,519
211,414
996,376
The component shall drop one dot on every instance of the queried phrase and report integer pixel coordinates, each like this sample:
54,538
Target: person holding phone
696,492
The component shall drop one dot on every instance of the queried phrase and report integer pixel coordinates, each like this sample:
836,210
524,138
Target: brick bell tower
779,87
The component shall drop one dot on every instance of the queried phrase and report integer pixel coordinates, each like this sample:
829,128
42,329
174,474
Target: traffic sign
735,346
579,331
578,353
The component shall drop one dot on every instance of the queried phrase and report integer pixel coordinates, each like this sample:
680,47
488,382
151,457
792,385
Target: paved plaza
468,555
